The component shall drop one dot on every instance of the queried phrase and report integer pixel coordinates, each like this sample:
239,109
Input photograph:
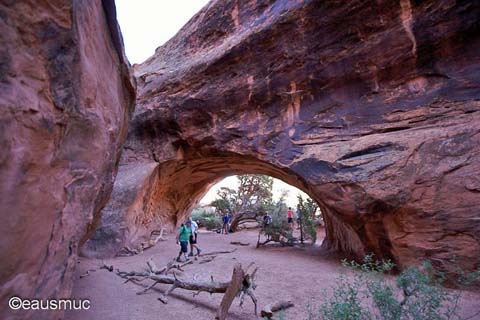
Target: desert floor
300,274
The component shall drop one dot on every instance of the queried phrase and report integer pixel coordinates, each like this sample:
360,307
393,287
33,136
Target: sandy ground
297,274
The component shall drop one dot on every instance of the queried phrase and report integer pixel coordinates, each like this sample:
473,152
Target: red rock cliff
65,101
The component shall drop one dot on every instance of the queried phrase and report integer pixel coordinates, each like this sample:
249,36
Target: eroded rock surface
371,107
66,95
132,210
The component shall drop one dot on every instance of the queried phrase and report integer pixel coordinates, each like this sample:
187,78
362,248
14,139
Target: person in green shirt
183,236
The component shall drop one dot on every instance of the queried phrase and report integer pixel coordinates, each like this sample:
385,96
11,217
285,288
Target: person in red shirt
290,216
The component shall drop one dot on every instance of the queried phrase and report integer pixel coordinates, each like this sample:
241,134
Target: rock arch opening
251,196
150,196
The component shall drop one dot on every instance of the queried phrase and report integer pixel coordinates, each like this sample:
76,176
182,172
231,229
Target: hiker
299,217
226,223
183,236
290,216
193,238
267,219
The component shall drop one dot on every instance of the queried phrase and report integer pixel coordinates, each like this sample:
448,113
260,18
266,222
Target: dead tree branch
231,292
214,253
269,309
152,267
239,243
87,273
106,266
144,245
283,237
207,260
242,283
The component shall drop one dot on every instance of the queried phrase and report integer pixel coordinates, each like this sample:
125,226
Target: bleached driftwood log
233,288
242,283
144,245
269,309
164,270
106,266
239,243
214,253
150,243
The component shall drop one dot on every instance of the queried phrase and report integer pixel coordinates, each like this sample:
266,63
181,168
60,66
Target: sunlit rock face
65,101
371,107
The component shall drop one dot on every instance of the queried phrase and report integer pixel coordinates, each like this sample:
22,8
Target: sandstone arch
373,105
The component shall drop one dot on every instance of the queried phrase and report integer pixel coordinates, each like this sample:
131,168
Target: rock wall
66,96
371,107
125,221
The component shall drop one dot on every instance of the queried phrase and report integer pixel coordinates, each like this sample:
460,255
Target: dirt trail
297,274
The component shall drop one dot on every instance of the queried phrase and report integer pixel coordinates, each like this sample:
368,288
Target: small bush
308,208
279,229
206,219
416,294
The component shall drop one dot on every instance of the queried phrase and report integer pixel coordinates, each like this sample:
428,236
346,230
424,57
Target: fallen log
249,283
87,273
280,237
242,283
152,267
127,251
232,290
239,243
269,309
160,232
150,243
108,267
163,299
202,286
207,260
214,253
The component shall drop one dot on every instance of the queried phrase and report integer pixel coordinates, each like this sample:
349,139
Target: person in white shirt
193,238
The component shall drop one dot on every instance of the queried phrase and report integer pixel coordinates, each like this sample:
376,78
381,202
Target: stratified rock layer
65,101
371,107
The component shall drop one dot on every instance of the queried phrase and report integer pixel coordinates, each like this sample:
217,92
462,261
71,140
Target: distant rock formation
371,107
66,95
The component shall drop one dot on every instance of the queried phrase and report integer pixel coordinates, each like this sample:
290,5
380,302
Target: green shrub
308,209
279,229
416,294
206,219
